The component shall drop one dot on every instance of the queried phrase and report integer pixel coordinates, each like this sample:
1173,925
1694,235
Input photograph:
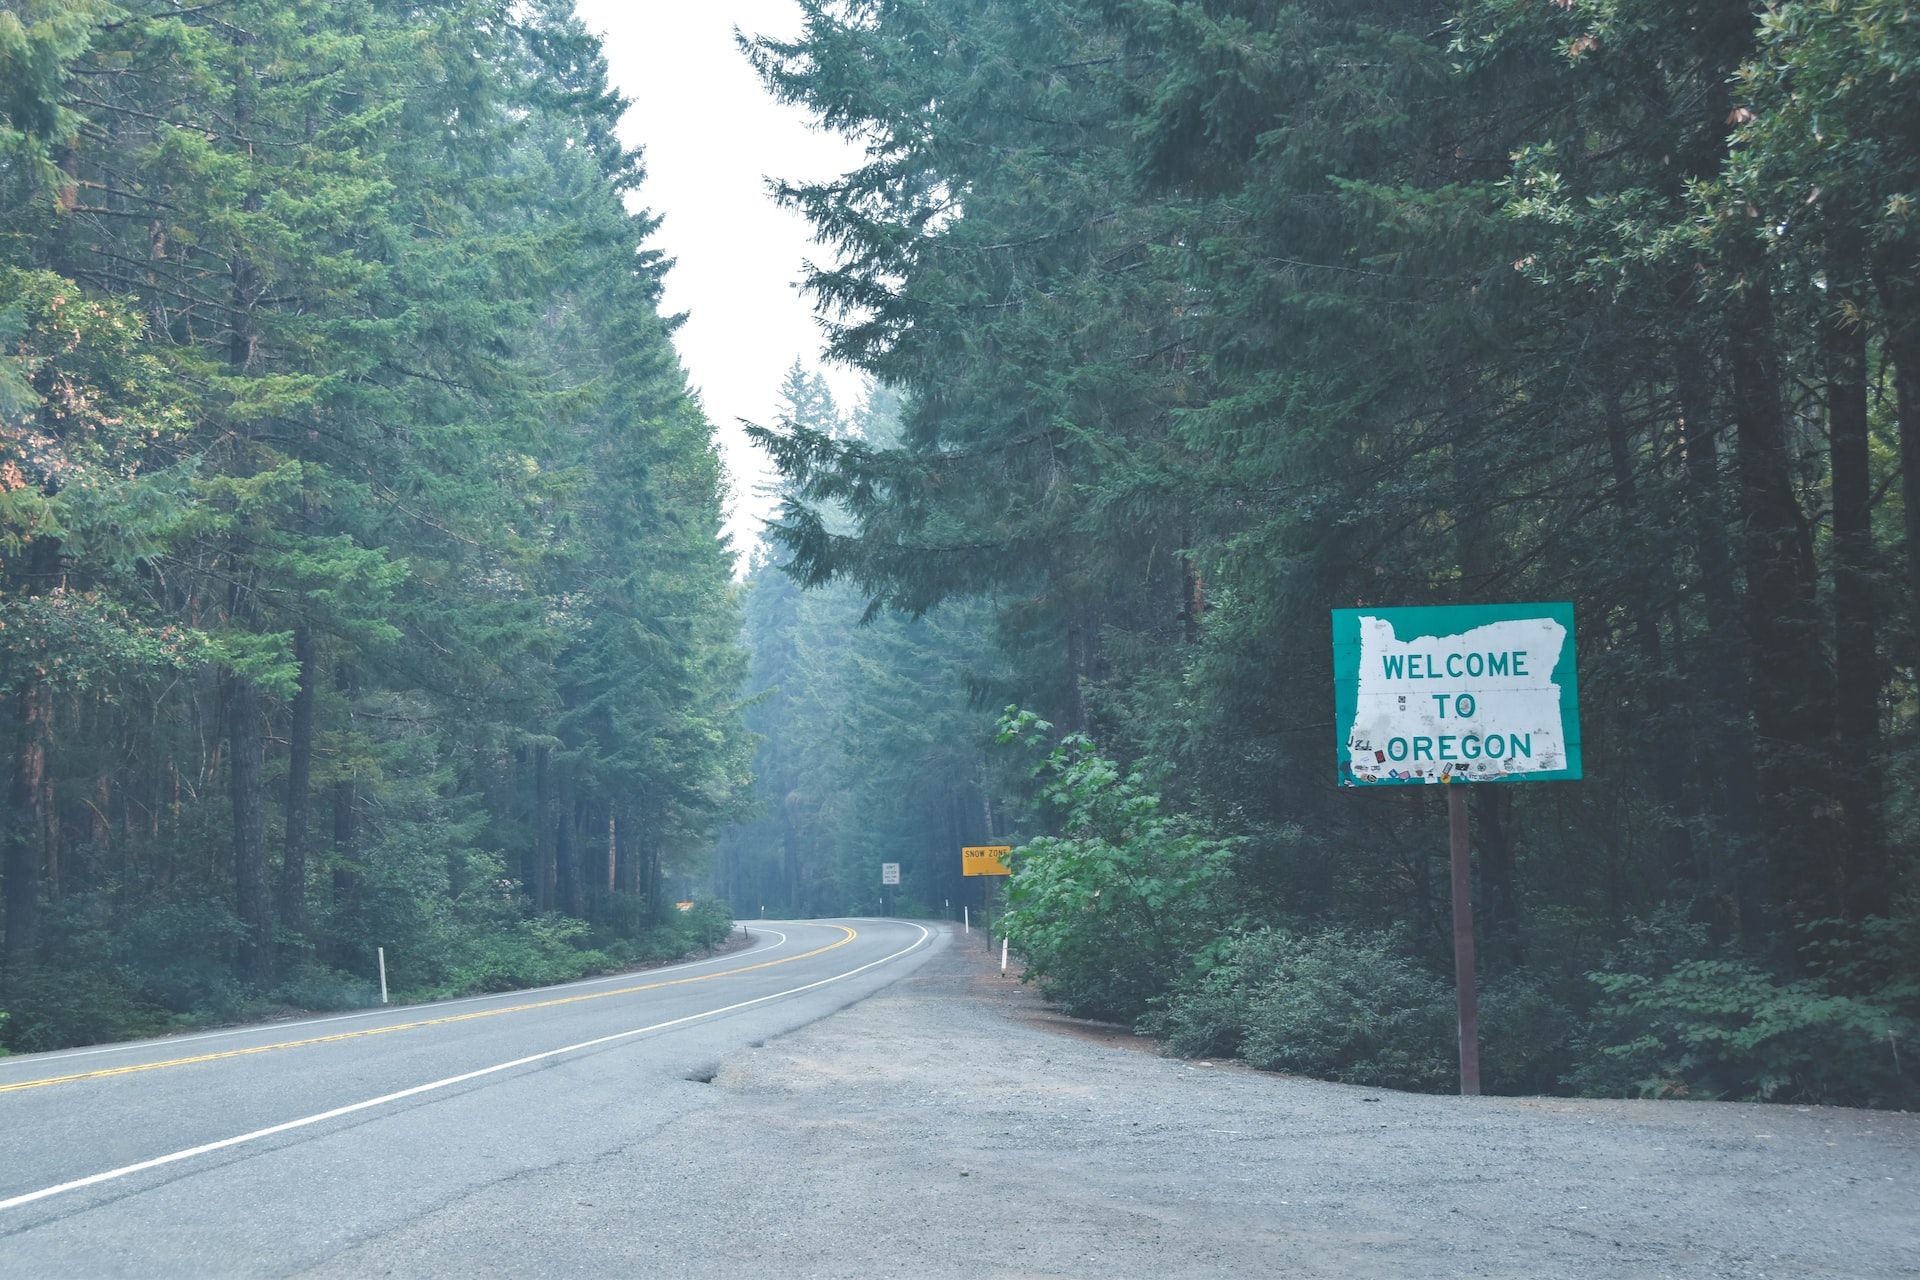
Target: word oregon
1428,666
1470,746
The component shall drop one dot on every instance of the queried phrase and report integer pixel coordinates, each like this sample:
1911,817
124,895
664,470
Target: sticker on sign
1456,693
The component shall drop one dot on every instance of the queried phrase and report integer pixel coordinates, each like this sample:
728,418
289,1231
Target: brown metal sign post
1466,993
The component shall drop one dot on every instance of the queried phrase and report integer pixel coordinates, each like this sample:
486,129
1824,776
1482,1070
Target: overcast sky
712,135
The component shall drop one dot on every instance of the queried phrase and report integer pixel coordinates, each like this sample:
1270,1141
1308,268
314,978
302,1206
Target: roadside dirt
953,1125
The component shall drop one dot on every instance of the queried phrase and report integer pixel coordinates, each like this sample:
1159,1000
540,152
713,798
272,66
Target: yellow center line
424,1022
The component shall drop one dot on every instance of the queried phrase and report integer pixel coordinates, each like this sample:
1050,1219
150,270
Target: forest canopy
360,573
362,582
1209,318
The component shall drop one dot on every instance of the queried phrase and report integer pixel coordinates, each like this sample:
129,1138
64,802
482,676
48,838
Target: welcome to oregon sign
1456,693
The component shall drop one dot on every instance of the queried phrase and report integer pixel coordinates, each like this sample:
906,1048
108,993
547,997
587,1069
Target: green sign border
1448,620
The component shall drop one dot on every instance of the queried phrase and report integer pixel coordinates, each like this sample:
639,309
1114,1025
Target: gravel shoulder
952,1126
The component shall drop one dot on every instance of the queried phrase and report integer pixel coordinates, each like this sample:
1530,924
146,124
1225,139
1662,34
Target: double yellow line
365,1032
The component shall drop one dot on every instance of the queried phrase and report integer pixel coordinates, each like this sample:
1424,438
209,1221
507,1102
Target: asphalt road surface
269,1150
711,1120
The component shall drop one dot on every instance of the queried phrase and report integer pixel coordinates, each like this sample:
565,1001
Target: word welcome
1453,666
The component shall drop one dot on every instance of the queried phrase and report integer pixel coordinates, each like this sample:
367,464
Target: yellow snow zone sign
985,859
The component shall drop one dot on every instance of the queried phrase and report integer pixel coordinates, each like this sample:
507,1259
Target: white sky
712,135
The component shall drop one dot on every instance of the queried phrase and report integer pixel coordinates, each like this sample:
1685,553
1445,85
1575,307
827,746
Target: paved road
269,1150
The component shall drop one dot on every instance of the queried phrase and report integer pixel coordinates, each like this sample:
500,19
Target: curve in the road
103,1073
431,1086
385,1011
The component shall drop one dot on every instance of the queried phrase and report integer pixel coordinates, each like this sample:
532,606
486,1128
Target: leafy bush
1206,1014
1350,1006
1107,913
317,987
707,924
1526,1035
181,950
1340,1004
540,950
531,952
53,1008
1724,1028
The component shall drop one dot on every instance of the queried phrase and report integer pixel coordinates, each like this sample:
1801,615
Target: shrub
180,952
708,924
1340,1004
1724,1028
1526,1035
1350,1006
53,1008
530,952
317,987
1110,911
1205,1016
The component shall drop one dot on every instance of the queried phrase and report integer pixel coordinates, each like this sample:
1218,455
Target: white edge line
323,1116
259,1028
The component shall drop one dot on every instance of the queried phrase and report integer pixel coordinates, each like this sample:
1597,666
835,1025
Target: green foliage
531,952
316,987
706,924
179,946
1724,1028
53,1006
1527,1035
360,572
1209,318
1340,1004
1110,911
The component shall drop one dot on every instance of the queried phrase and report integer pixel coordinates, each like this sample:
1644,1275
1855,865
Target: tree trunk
1866,887
345,881
790,845
293,866
253,901
253,898
30,818
1730,753
1665,782
546,874
1788,686
566,847
1077,662
23,835
613,850
1193,591
656,908
1899,283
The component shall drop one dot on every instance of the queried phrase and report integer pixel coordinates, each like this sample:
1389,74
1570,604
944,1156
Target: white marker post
1003,955
966,918
382,951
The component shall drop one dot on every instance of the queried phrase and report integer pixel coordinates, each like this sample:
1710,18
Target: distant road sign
889,873
985,860
1455,693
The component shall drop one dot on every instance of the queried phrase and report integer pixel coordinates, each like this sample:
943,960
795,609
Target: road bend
265,1150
